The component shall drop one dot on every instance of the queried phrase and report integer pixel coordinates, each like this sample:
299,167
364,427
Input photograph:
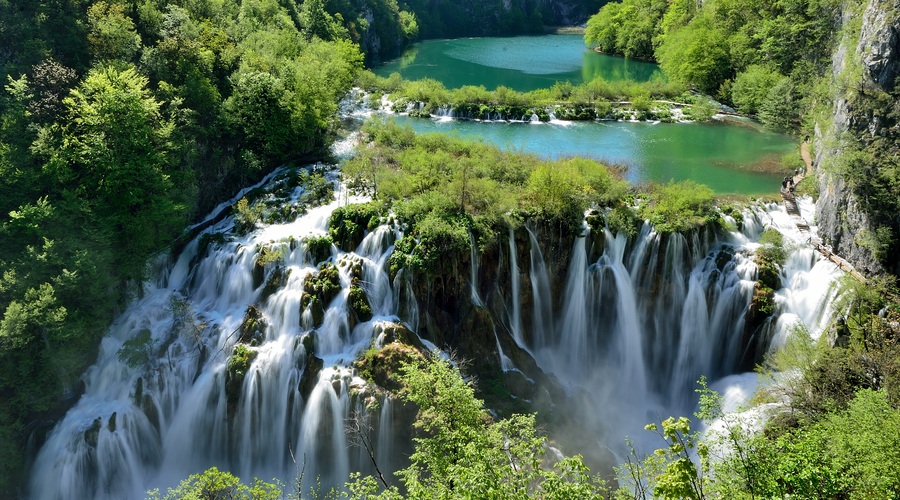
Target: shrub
679,206
348,224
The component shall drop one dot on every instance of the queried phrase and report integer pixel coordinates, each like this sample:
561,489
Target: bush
677,207
348,223
751,88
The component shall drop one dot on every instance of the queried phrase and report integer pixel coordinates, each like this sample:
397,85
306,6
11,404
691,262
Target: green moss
348,224
677,207
253,327
318,247
359,303
238,366
383,366
240,361
322,286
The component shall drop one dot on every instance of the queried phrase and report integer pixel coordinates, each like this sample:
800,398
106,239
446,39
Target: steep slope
857,211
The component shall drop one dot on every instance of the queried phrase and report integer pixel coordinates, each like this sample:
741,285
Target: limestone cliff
857,211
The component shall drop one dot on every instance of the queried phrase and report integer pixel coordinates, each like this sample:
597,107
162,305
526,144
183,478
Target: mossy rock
724,256
208,241
323,286
382,366
252,330
258,274
398,333
276,280
348,224
238,366
318,247
138,391
359,304
92,433
312,366
150,411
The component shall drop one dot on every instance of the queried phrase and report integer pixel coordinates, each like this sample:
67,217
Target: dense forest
122,123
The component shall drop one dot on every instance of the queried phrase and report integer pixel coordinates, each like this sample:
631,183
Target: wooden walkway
790,205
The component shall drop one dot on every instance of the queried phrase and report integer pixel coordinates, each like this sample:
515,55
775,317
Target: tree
461,451
315,21
781,108
113,152
112,34
697,55
213,484
50,82
752,86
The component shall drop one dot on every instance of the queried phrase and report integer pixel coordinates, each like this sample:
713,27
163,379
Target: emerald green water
521,63
718,155
727,158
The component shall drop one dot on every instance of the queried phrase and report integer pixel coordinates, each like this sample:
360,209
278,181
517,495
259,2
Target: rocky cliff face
850,210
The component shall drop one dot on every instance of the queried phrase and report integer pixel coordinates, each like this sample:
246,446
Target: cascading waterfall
180,408
638,321
515,319
642,323
473,277
542,301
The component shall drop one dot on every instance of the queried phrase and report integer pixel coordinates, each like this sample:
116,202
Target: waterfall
542,301
473,280
638,320
652,314
515,319
181,408
575,329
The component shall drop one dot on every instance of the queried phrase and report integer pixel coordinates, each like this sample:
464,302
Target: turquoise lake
728,157
521,63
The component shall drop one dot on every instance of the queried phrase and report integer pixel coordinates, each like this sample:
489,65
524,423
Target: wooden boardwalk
790,205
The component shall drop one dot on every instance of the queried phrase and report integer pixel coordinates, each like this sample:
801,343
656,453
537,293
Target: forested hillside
824,69
121,123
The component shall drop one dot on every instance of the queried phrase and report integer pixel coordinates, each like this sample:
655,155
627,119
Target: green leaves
463,453
213,484
678,207
697,55
37,317
752,88
112,34
628,28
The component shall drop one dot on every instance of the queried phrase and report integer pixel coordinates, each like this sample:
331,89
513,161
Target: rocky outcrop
847,213
879,42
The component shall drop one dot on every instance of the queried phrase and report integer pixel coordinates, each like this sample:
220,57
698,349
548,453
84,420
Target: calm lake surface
722,156
521,63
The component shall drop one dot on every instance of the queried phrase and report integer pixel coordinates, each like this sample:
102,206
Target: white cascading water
635,328
542,313
515,319
640,325
139,427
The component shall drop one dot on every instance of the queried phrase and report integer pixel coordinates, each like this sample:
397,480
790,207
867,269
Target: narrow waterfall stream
637,325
